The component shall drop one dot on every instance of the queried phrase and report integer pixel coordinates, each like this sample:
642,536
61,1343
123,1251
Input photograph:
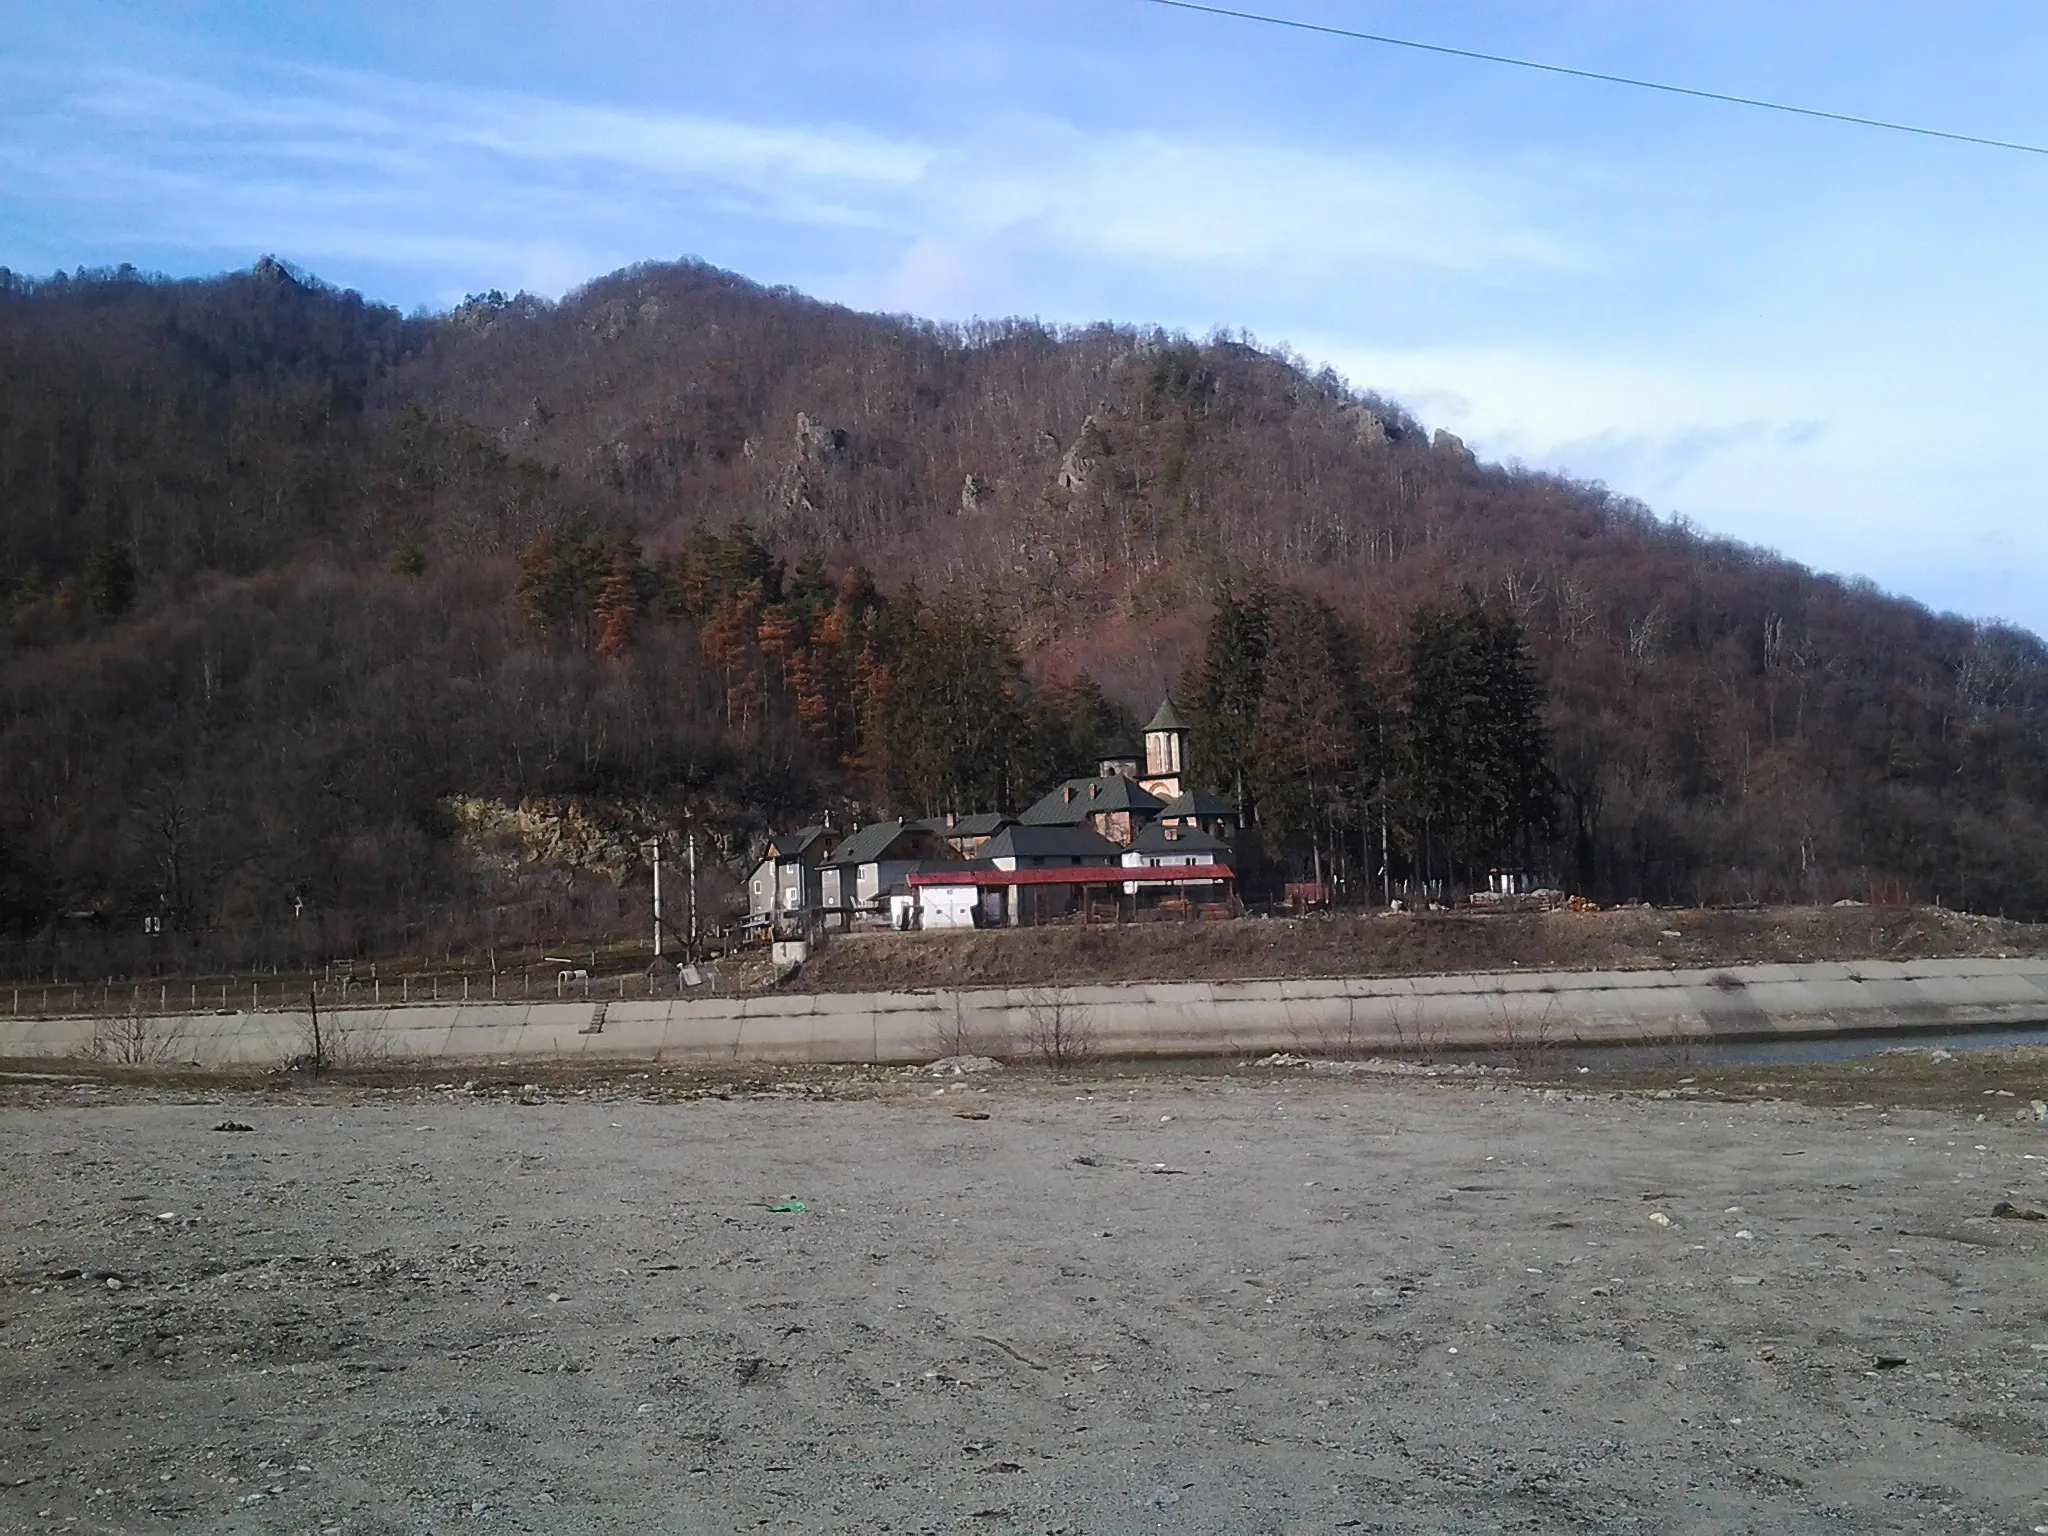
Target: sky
1823,339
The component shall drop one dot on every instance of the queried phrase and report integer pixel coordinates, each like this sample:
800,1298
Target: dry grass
1397,945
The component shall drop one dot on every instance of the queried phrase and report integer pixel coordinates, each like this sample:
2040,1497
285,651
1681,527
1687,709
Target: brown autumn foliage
284,570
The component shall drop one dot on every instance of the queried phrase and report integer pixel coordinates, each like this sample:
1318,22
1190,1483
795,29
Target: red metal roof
1085,874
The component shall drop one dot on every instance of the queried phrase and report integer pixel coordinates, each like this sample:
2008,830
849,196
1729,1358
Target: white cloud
1145,199
447,168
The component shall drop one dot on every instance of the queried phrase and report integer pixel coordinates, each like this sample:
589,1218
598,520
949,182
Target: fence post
405,989
465,986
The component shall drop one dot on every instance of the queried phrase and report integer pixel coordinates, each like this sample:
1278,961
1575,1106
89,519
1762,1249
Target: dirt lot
1384,944
1235,1301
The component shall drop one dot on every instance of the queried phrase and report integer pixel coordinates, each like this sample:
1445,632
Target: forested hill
289,575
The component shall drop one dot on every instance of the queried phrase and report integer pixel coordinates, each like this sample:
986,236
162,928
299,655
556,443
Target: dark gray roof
1029,842
1160,838
794,845
981,824
1091,797
1166,719
874,841
1198,802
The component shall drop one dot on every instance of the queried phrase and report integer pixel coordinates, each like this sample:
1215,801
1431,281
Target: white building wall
948,906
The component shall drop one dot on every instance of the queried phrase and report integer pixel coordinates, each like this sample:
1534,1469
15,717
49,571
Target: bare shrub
1683,1045
1417,1036
1060,1033
132,1039
1347,1041
336,1040
1526,1043
354,1046
953,1033
333,1041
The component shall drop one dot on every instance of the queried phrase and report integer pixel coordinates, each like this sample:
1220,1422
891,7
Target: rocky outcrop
817,443
1079,466
1371,430
559,832
974,494
1451,446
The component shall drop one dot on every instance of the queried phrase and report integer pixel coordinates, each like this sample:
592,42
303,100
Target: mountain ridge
1727,723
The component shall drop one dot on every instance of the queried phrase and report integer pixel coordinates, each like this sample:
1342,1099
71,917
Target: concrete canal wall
1363,1015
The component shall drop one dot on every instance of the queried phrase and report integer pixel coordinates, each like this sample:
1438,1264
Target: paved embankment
1509,1010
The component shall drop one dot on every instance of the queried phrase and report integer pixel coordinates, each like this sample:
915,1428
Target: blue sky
1823,339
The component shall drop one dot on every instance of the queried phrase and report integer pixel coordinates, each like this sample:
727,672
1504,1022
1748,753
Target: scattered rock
1889,1362
1380,1067
963,1066
233,1125
2018,1210
970,1114
1658,1218
531,1094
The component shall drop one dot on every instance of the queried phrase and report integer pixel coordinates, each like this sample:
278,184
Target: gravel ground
1172,1304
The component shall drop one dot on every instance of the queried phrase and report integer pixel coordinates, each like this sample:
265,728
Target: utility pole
656,847
693,892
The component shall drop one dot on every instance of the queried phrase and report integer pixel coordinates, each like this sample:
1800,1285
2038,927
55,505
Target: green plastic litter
791,1207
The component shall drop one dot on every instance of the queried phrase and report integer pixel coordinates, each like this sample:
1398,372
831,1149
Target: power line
1594,74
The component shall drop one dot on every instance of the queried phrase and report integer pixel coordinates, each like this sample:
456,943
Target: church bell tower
1166,743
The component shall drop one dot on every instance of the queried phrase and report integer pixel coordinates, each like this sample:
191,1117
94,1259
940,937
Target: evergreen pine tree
409,559
110,579
1306,748
1223,705
1478,748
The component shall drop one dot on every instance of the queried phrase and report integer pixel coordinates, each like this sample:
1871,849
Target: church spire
1165,752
